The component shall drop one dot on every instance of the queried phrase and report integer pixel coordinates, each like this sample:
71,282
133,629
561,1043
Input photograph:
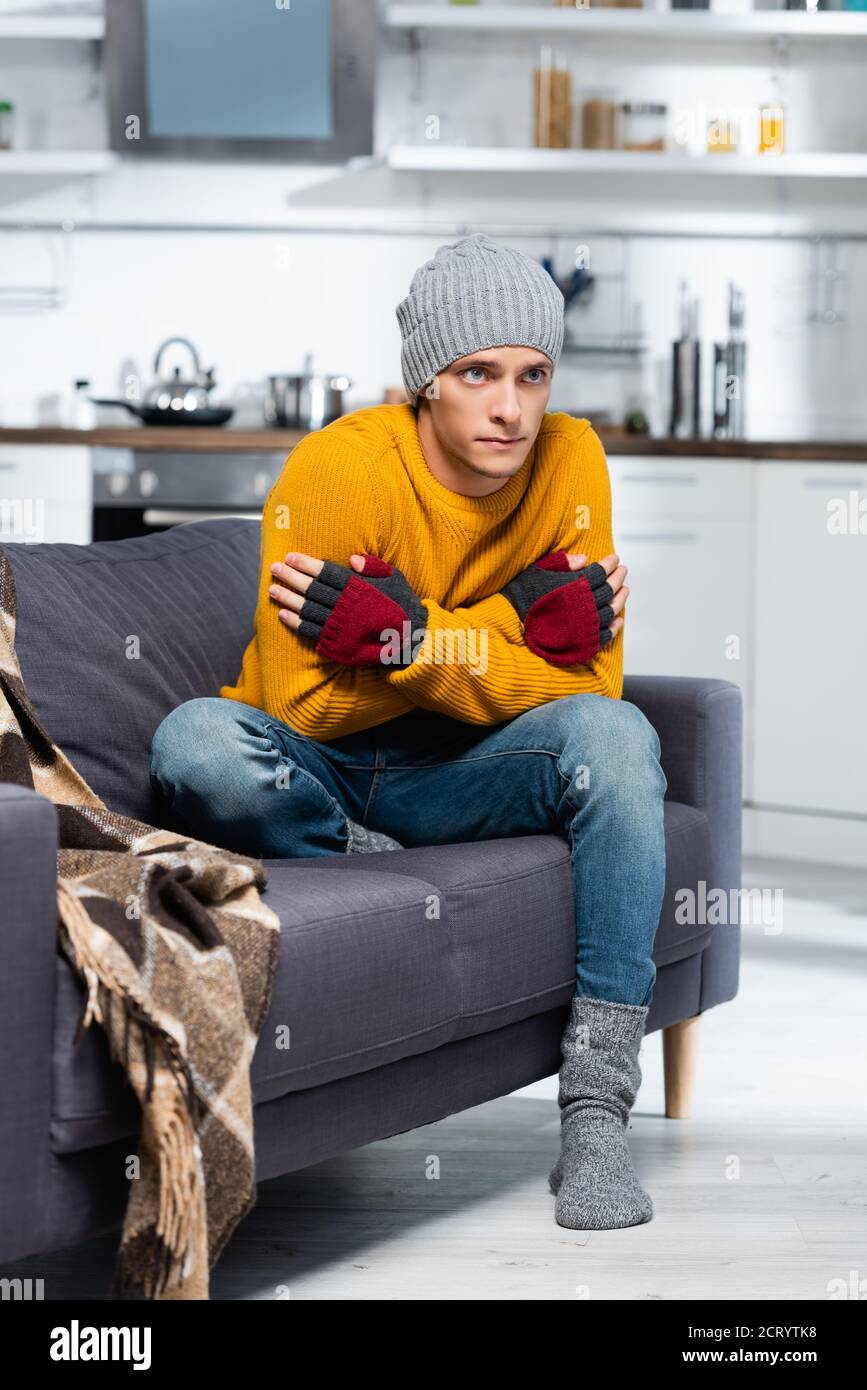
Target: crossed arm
482,670
475,659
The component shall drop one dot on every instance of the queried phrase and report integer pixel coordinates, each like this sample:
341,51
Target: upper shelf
663,24
499,159
56,163
52,26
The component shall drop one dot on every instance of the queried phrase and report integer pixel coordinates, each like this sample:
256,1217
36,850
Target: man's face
495,394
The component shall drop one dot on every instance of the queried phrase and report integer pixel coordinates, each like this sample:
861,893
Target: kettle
177,400
177,392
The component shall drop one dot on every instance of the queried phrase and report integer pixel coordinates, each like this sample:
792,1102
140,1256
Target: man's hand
616,575
356,615
568,610
292,578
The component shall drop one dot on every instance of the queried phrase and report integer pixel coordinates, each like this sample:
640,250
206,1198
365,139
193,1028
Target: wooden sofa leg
679,1055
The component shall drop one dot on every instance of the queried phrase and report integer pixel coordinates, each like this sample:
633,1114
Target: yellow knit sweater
362,484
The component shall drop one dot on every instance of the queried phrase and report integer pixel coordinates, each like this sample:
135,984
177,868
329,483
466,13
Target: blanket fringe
178,1151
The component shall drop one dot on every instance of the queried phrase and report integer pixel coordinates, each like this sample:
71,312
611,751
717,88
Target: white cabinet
756,571
688,610
644,485
45,493
684,527
811,637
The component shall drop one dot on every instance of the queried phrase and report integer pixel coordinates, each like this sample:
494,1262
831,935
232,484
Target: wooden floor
762,1194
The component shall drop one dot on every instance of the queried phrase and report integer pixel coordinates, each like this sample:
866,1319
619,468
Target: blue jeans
584,766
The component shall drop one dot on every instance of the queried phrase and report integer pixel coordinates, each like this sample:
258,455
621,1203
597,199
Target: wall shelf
50,163
503,160
626,347
52,26
662,24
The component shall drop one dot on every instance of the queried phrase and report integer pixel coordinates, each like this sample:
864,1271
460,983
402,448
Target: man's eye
539,370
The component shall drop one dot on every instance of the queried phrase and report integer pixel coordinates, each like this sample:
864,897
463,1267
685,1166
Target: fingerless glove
566,613
344,612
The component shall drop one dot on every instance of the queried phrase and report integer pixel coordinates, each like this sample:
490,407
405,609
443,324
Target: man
438,658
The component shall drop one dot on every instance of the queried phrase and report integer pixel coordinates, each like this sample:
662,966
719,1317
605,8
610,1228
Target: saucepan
306,400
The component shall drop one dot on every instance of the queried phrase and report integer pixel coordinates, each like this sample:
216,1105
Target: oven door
136,491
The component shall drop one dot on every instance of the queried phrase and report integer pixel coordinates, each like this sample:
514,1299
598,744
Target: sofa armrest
28,950
699,722
700,725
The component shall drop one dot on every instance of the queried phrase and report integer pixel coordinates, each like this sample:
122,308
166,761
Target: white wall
256,302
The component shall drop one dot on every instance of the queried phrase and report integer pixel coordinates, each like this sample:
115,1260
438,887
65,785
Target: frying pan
156,415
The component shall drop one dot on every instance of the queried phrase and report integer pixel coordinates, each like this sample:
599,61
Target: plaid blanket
177,953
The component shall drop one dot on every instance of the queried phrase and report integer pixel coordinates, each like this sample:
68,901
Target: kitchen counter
177,439
193,439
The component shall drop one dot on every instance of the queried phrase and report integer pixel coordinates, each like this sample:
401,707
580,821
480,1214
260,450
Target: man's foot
555,1177
602,1191
363,841
594,1181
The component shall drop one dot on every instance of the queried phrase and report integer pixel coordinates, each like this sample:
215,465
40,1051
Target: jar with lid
642,125
83,409
6,119
772,128
599,119
723,134
552,102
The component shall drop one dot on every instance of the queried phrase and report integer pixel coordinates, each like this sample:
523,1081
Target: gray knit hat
474,294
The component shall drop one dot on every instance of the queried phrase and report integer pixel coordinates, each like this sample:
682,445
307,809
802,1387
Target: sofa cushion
508,904
386,955
491,889
189,602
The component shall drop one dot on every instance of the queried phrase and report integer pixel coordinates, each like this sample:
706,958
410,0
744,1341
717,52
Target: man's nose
507,406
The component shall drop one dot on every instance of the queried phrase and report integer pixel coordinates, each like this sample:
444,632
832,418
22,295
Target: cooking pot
305,401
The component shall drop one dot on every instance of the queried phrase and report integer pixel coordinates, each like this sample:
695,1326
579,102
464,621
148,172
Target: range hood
228,79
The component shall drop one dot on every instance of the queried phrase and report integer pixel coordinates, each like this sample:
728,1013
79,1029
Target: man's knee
613,736
600,717
191,738
636,729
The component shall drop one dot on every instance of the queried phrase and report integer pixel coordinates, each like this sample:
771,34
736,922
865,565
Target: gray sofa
394,1025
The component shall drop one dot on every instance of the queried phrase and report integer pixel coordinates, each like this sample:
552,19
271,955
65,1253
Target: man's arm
475,666
515,678
322,503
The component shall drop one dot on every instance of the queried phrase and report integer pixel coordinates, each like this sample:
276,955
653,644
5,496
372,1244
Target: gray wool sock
363,841
594,1181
